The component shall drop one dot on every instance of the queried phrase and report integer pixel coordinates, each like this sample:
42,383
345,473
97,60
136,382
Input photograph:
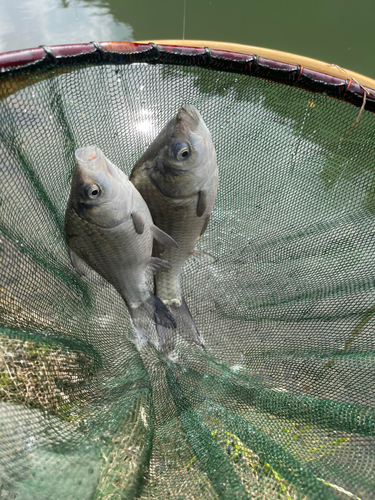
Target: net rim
281,67
273,55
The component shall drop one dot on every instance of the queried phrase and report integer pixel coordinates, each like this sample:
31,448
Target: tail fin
186,328
155,308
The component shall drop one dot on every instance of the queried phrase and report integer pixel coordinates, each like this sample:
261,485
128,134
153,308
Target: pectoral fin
202,203
157,265
163,237
77,263
139,224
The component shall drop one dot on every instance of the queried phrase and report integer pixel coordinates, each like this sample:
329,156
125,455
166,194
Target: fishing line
183,23
77,19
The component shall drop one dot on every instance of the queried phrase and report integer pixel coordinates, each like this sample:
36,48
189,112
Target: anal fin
157,265
201,254
206,255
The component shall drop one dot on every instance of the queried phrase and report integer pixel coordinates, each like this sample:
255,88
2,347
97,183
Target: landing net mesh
282,403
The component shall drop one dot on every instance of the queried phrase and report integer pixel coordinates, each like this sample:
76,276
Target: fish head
182,157
100,192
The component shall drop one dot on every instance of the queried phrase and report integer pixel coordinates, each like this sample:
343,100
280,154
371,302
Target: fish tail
186,328
153,307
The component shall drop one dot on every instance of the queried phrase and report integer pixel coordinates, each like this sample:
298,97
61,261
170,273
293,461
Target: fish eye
92,191
181,151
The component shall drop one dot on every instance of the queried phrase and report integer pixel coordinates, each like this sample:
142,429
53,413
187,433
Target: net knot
155,49
255,64
208,54
297,74
99,49
50,54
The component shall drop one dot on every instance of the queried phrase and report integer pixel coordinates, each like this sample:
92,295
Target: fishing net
281,404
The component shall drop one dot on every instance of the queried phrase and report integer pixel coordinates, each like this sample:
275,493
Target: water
336,31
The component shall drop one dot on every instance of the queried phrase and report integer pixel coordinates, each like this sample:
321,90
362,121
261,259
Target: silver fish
178,178
109,226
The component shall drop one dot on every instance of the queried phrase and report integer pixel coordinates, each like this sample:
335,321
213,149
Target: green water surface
336,31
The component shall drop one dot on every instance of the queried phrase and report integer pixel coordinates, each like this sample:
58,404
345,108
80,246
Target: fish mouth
87,154
91,157
188,112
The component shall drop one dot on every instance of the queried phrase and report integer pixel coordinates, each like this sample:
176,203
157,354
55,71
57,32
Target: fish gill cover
280,403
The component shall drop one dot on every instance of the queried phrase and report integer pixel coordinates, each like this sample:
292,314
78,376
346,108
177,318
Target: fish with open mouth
109,226
178,178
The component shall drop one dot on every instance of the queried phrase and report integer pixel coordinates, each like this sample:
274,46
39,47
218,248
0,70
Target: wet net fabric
282,403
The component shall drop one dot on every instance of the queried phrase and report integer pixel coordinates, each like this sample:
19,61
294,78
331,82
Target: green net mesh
281,404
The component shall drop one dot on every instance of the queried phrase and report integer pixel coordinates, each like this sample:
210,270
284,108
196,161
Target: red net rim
296,75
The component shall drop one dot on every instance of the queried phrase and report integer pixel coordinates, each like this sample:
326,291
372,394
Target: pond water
336,31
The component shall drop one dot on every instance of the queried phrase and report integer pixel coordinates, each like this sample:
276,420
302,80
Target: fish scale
186,226
109,227
107,256
177,176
